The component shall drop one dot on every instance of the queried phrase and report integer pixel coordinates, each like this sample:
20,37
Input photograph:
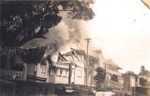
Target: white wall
45,72
25,71
79,76
56,79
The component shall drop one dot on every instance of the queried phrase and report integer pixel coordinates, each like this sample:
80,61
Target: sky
121,29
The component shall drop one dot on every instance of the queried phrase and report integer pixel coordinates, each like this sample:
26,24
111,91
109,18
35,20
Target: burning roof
32,55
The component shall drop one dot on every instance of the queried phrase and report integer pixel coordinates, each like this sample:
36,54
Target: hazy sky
121,28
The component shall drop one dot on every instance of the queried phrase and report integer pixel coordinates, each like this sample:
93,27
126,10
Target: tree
129,73
114,78
142,81
144,72
92,63
100,78
23,21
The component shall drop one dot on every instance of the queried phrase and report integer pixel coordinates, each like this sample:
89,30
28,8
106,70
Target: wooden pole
70,73
87,61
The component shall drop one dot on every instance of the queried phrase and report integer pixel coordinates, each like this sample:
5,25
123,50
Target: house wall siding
58,80
79,76
40,73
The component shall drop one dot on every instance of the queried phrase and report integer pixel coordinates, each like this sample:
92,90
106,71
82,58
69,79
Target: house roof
61,57
110,61
79,52
31,55
71,55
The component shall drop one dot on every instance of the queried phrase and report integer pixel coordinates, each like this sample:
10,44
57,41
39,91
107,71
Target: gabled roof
71,55
79,52
61,58
110,61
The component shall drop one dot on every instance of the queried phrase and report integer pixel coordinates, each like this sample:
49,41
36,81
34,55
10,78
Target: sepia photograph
75,48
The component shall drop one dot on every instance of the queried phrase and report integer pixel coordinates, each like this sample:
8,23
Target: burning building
44,64
68,68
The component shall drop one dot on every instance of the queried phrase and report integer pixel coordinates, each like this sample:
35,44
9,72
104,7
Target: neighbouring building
129,84
93,64
144,77
15,63
132,85
114,80
95,60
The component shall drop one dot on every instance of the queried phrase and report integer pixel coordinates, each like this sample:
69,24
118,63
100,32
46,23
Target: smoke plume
69,33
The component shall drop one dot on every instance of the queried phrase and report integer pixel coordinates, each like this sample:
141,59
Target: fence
7,88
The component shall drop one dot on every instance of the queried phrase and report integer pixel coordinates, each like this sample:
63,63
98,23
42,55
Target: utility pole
106,81
87,61
134,85
70,73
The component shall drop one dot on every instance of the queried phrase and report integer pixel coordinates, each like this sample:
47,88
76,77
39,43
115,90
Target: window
58,72
111,67
67,73
79,73
108,66
35,68
63,73
52,72
43,67
114,78
115,68
82,58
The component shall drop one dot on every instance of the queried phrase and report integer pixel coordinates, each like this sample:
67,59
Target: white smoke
69,33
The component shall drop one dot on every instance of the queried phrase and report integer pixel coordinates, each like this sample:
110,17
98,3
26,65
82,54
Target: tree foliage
114,78
92,63
100,78
22,21
129,73
144,72
142,81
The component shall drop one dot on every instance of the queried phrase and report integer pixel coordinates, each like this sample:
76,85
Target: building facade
68,68
113,80
10,68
